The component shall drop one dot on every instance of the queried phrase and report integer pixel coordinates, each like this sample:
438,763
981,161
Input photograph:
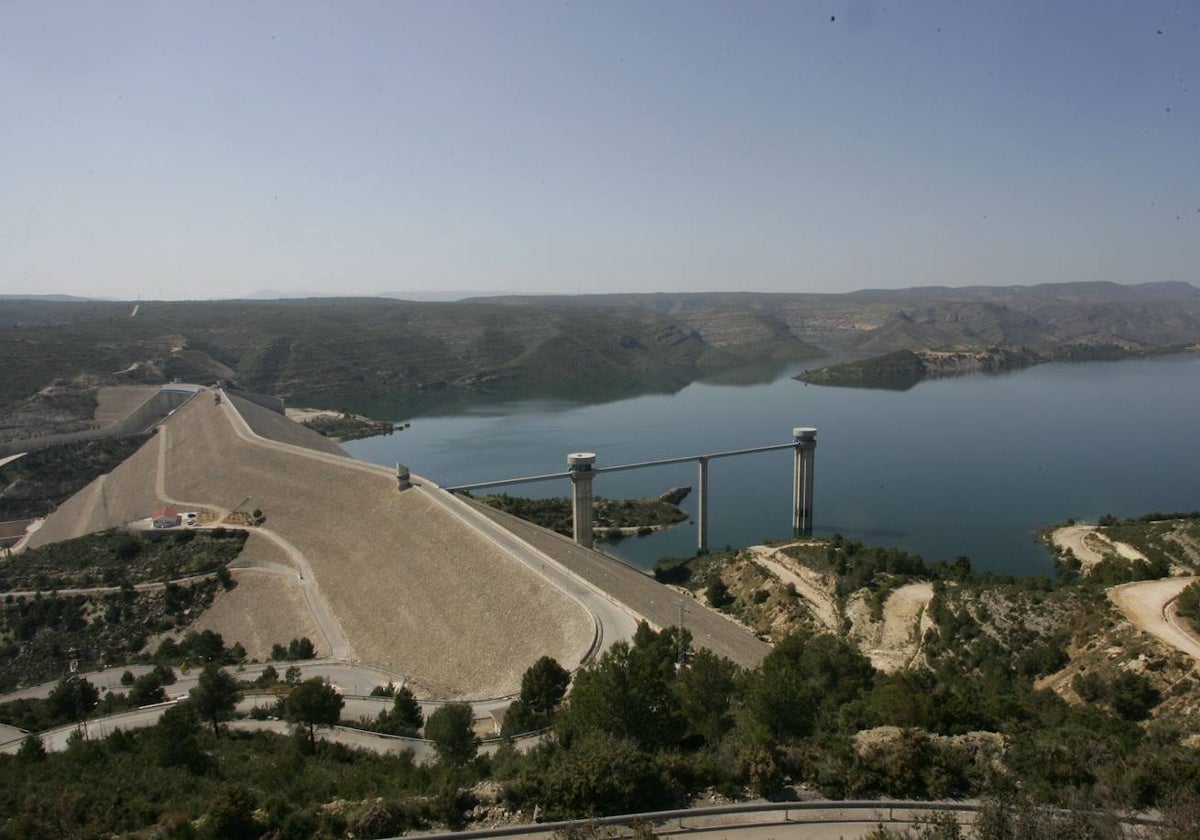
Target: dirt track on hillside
809,584
1090,546
1145,604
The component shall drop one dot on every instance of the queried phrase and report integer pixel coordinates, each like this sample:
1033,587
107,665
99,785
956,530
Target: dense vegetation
33,485
41,634
119,557
1189,604
896,371
1162,537
609,516
638,731
161,777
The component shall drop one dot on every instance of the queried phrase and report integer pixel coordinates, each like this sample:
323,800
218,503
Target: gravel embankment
413,589
125,494
264,609
276,427
118,402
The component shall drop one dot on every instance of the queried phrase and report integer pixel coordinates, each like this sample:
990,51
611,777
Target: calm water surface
970,466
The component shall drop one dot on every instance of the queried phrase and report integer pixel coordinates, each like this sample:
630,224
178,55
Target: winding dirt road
1090,546
1149,604
808,585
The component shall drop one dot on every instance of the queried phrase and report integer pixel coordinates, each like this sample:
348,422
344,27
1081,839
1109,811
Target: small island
614,519
902,369
340,426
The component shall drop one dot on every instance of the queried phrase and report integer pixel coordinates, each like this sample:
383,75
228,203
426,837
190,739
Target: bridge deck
637,591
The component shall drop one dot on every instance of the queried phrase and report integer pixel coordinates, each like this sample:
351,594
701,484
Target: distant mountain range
330,350
446,295
59,298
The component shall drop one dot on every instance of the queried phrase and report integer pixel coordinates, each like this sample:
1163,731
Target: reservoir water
974,465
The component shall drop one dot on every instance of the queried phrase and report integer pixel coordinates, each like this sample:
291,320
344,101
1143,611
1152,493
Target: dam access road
419,583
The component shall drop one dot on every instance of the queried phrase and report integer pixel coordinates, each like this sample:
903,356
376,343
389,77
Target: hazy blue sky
168,149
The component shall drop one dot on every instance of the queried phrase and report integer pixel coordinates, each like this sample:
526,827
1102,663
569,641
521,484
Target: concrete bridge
581,470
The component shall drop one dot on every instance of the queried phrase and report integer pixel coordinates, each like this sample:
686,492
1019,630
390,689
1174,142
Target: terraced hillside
410,587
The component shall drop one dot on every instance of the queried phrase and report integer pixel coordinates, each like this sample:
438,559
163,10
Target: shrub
601,774
718,593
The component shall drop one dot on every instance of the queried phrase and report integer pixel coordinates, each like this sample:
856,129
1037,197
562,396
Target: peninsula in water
902,369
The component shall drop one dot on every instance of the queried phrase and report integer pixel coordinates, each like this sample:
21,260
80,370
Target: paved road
639,592
355,707
10,458
354,680
831,824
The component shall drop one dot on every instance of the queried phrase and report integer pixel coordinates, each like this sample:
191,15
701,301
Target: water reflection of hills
563,396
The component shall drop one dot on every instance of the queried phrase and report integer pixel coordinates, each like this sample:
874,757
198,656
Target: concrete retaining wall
139,420
12,531
270,403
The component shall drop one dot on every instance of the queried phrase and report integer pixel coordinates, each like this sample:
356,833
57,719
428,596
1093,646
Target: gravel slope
276,427
412,588
262,610
125,494
117,402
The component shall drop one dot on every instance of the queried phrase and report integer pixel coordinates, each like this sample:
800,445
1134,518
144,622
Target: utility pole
679,645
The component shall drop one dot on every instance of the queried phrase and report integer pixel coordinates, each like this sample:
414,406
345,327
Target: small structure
581,470
166,517
805,440
403,478
579,467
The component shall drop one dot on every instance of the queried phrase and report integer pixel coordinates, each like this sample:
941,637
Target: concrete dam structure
581,470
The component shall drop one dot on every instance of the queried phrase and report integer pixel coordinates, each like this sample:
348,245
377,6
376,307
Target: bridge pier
805,441
579,468
702,505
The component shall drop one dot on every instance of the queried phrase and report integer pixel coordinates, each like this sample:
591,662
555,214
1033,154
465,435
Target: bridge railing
879,810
